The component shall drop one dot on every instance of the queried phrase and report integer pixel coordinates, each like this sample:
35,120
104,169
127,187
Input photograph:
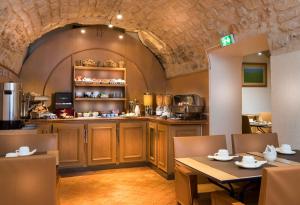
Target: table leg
230,190
247,187
261,129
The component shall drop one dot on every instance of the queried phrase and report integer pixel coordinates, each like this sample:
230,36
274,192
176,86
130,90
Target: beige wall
49,68
196,83
286,97
257,99
225,96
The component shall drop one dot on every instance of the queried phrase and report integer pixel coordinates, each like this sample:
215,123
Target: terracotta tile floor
130,186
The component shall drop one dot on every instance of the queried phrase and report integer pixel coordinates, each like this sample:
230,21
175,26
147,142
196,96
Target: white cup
286,148
95,114
23,150
223,153
95,94
248,159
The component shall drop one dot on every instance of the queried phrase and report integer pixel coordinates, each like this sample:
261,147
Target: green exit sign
227,40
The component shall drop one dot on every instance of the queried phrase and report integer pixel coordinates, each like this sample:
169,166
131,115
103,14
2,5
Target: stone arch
186,28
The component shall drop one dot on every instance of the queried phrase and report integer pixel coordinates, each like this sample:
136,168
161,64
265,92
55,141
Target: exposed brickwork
177,31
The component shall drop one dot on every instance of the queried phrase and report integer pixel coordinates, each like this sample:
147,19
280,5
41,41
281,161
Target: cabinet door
101,144
162,147
70,144
152,143
186,130
132,142
44,128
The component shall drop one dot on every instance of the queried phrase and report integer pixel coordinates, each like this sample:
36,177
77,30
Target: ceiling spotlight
110,25
119,16
82,31
260,53
121,36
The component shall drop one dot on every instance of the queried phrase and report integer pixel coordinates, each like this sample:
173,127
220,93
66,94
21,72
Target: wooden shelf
100,99
99,68
77,84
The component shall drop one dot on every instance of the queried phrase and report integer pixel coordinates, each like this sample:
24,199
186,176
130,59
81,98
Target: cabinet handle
85,136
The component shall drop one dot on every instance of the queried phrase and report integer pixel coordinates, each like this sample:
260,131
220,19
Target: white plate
255,165
281,152
221,158
11,154
28,154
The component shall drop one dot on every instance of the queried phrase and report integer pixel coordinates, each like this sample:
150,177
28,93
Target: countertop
119,119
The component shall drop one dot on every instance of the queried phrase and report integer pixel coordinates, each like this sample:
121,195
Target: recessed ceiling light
119,16
110,25
83,31
121,36
260,53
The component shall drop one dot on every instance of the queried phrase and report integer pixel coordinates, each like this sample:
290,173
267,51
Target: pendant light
119,16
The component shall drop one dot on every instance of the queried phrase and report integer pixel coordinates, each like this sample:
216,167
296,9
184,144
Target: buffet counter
97,142
124,119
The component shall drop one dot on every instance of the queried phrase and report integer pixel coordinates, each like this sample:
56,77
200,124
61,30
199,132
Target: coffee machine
188,107
10,94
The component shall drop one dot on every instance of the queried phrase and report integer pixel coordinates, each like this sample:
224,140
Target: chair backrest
280,185
265,116
41,142
242,143
28,180
245,125
198,145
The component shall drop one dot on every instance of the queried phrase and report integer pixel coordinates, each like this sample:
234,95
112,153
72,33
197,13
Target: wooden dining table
226,173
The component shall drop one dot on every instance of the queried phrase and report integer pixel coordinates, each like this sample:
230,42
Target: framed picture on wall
254,74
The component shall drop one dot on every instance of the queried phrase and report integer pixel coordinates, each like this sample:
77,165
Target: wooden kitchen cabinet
160,151
162,147
152,143
132,142
44,128
70,144
186,130
101,143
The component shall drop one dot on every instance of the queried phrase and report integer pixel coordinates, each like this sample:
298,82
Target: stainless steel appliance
188,107
10,94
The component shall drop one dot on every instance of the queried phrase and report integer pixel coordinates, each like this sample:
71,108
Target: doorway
256,93
225,82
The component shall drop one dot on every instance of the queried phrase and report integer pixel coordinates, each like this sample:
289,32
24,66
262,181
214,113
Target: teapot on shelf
270,153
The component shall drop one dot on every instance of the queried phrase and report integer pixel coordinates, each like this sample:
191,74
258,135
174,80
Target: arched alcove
52,61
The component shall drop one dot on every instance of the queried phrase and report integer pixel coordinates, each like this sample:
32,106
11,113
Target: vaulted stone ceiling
177,31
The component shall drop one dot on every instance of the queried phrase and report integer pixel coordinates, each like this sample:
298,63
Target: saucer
11,154
281,152
28,154
219,158
254,165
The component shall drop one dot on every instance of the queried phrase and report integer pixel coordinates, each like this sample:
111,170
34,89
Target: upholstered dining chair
188,186
242,143
246,125
279,186
265,116
32,179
